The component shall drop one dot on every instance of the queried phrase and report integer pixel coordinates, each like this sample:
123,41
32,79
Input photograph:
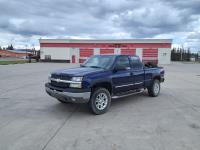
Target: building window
164,54
47,57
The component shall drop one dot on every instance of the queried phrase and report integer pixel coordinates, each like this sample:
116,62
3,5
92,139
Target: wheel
154,89
62,101
100,101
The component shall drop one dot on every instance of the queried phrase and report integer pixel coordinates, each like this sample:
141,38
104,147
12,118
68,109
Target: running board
120,96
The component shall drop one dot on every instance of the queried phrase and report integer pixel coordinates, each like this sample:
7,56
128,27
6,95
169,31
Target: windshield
100,61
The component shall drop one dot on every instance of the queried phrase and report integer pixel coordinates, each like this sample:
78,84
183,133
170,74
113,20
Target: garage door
128,52
86,52
106,51
150,55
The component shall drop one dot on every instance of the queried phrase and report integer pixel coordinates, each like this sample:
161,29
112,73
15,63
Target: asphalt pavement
32,120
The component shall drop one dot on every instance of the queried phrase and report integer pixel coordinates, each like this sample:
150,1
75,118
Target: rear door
138,72
122,79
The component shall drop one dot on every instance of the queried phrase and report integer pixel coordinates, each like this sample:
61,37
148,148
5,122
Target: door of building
73,59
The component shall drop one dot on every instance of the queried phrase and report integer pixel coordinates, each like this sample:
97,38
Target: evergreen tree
172,54
178,54
188,54
183,53
10,47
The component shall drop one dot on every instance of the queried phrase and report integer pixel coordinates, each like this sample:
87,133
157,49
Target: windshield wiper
82,65
96,67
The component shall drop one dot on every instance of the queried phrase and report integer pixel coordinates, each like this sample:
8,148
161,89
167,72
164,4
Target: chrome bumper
83,97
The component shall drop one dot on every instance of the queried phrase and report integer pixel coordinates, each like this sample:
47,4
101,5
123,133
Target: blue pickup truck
102,78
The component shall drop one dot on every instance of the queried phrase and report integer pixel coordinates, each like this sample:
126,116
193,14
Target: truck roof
116,55
135,56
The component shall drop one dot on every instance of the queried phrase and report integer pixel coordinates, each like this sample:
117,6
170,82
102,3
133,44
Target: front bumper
69,95
162,79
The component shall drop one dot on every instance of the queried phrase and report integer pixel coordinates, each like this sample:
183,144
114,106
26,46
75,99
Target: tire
154,89
100,101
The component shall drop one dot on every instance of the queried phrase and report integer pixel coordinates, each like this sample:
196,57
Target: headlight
78,84
49,78
77,79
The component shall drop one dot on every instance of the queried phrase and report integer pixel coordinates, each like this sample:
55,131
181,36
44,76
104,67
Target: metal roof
105,40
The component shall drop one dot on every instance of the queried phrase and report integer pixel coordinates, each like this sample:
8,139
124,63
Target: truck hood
80,71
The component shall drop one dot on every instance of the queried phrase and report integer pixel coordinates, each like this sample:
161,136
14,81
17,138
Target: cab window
123,61
136,63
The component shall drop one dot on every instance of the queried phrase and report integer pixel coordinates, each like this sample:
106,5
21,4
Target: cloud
31,20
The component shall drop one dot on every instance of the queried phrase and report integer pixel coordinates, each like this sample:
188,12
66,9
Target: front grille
61,76
59,84
64,77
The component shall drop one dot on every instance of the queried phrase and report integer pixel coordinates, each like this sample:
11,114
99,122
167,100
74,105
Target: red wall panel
106,51
108,45
128,52
86,52
154,61
150,53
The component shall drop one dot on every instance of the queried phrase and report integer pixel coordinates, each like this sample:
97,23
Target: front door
122,79
73,59
138,78
138,72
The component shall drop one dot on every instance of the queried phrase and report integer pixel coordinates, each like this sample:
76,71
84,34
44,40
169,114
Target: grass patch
15,62
190,62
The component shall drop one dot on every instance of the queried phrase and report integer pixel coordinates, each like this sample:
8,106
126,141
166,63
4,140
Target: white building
76,51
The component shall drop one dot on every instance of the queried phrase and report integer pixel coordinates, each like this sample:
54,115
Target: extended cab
102,78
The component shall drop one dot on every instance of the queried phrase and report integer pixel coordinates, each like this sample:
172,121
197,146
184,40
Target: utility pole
33,49
182,53
26,50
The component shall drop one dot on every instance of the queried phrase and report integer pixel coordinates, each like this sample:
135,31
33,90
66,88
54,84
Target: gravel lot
32,120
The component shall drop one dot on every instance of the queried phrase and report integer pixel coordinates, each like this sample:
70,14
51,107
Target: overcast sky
23,22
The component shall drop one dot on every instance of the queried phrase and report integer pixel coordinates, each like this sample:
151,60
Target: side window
123,61
135,62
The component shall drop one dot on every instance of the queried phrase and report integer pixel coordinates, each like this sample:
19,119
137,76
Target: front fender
92,79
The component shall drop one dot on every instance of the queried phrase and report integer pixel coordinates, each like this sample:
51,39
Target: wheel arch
157,78
105,84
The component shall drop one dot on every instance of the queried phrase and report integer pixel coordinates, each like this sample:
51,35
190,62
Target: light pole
26,50
182,53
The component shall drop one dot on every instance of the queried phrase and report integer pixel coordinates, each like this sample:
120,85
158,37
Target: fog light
75,85
73,99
